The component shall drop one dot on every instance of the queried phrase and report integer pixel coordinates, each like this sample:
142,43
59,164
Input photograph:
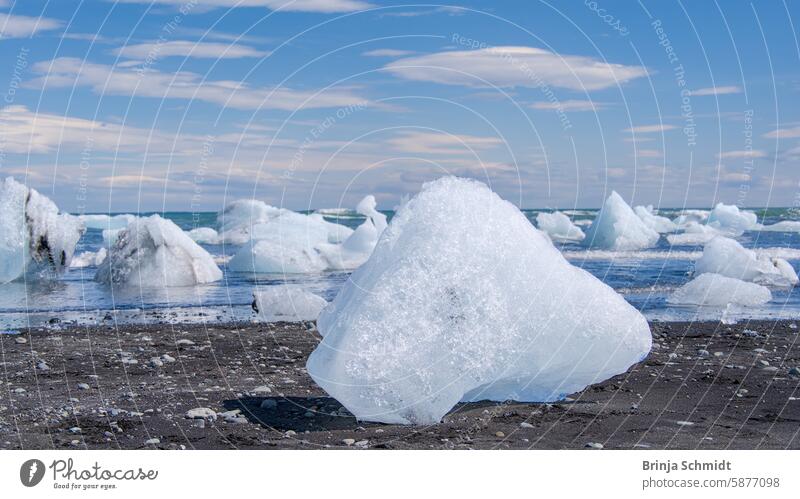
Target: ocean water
645,278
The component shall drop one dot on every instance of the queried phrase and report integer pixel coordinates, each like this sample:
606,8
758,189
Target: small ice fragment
287,303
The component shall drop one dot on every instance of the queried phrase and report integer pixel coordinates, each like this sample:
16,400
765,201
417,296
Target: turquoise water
645,278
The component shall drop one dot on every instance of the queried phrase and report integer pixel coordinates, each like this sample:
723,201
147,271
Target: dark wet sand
741,394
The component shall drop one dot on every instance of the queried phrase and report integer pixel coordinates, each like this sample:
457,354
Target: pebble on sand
83,386
201,413
348,441
594,445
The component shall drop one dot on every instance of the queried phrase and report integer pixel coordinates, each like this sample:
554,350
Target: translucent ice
35,239
618,227
204,235
89,259
152,252
729,258
714,290
559,227
105,222
730,220
236,221
287,303
463,299
657,223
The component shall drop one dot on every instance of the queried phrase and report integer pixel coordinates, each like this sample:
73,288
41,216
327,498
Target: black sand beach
704,386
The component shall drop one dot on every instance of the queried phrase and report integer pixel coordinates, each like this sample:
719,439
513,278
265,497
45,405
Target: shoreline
704,385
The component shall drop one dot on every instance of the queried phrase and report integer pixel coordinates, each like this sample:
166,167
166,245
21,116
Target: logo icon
31,472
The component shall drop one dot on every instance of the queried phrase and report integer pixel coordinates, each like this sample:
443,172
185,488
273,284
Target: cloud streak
181,48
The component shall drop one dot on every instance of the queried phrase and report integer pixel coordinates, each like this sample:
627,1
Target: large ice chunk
154,252
235,222
729,258
463,299
287,303
657,223
559,227
718,291
618,227
732,221
35,239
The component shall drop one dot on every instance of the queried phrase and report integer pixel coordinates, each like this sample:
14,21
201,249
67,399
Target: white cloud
514,67
13,26
784,133
569,105
128,81
441,143
746,153
324,6
648,153
716,91
650,128
387,53
182,48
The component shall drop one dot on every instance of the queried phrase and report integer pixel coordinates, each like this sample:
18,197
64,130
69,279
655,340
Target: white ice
89,259
617,227
730,220
559,227
658,223
784,226
729,258
236,220
204,235
287,303
154,252
689,216
35,239
718,291
463,299
110,237
105,222
694,234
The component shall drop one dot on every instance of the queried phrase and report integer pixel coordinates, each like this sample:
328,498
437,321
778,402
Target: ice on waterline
153,252
718,291
784,226
694,234
618,227
463,299
559,227
690,216
730,220
729,258
89,259
35,239
107,222
287,303
204,235
657,223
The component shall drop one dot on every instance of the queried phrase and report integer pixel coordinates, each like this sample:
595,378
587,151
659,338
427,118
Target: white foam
287,303
559,227
784,226
89,259
463,299
715,290
154,252
617,227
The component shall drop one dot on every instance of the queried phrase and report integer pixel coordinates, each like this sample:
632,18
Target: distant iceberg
463,299
727,257
617,227
154,252
287,303
107,222
35,239
657,223
690,216
559,227
730,220
236,220
204,235
694,234
718,291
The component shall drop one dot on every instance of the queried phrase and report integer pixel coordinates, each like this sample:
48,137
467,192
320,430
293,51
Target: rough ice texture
89,259
287,303
35,239
293,243
105,222
718,291
559,227
657,223
463,299
618,227
154,252
694,234
730,220
236,220
729,258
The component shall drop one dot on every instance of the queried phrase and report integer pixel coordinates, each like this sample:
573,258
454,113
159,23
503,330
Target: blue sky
187,104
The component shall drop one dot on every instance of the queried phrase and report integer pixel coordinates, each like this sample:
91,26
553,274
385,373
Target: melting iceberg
618,227
153,251
729,258
718,291
559,227
35,239
732,221
463,299
657,223
236,220
287,303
